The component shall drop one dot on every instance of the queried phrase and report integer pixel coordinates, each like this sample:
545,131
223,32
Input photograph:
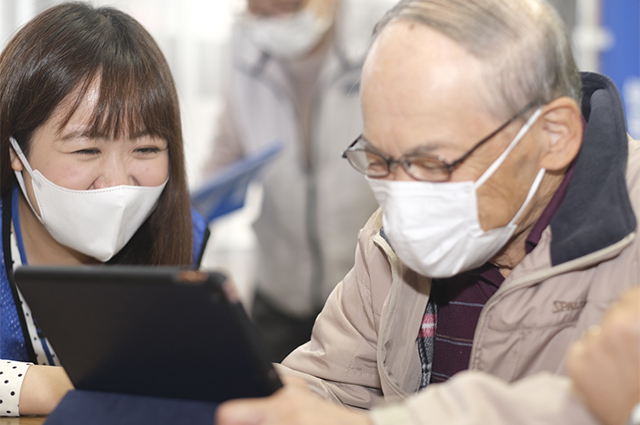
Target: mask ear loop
25,163
498,162
532,191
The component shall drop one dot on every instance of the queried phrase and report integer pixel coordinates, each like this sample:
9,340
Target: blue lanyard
15,216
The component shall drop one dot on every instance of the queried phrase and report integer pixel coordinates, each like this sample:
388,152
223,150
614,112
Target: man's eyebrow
426,148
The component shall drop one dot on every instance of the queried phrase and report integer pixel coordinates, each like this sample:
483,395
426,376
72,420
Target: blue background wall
622,61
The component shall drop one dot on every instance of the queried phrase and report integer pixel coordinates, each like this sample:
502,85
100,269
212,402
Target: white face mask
97,223
434,227
288,36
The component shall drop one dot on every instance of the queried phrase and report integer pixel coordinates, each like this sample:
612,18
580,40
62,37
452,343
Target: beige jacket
363,349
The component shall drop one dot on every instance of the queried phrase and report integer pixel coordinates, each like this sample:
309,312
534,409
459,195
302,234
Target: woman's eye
148,150
87,151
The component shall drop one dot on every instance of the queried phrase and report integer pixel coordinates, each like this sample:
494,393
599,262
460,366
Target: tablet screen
156,331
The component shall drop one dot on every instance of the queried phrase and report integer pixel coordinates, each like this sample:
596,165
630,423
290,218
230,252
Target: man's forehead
413,60
421,87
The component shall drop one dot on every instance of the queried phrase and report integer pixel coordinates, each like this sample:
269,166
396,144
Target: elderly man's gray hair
523,44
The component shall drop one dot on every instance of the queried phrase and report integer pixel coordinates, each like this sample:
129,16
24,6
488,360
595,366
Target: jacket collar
596,211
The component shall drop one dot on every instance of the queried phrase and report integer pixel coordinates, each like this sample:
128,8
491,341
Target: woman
91,171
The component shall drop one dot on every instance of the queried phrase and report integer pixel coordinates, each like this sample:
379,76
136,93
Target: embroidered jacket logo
560,306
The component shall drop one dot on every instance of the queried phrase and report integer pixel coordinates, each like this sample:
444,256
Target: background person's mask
97,223
434,227
289,36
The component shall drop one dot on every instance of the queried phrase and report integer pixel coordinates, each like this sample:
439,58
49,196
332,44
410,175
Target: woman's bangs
128,105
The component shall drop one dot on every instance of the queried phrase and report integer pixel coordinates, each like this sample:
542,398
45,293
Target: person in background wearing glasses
509,193
293,77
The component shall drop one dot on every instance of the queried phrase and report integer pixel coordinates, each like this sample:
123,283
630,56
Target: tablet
155,331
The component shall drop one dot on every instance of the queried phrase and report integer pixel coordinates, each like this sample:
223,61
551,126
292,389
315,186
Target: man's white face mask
434,228
97,223
289,36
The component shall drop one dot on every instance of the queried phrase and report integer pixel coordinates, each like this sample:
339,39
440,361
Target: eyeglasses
372,163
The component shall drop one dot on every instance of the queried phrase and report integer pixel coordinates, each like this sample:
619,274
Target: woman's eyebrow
83,133
80,133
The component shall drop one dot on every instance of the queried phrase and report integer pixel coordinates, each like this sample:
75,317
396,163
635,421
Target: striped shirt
449,324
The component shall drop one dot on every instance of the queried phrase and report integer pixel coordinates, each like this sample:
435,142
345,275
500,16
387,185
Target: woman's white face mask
289,36
97,222
434,228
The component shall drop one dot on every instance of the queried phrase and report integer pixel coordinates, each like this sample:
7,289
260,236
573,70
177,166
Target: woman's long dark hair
54,59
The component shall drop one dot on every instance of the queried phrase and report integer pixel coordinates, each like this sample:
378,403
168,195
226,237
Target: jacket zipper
306,161
391,306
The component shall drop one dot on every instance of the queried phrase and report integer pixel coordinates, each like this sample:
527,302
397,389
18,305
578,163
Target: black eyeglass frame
448,166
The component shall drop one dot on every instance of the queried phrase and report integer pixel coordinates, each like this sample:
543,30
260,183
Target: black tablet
155,331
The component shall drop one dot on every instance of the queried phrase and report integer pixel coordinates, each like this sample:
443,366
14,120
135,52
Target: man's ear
562,126
16,164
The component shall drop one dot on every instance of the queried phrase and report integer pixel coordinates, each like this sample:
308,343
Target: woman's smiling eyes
80,141
144,150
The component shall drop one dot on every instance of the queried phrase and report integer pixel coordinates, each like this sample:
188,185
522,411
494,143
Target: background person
294,77
89,122
507,227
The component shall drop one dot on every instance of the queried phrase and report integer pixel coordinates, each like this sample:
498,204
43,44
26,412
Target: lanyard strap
25,353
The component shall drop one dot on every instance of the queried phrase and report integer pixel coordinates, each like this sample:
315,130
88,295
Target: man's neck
515,251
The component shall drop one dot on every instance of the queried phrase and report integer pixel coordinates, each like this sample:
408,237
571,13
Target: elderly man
294,77
507,190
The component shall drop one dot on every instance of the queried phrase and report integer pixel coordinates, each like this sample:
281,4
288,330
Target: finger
575,359
631,296
592,332
621,339
629,303
241,412
295,382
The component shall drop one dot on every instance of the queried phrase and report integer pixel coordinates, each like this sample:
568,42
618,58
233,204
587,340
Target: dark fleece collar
596,211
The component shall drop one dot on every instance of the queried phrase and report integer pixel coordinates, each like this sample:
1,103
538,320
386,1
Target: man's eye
377,166
426,164
374,160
